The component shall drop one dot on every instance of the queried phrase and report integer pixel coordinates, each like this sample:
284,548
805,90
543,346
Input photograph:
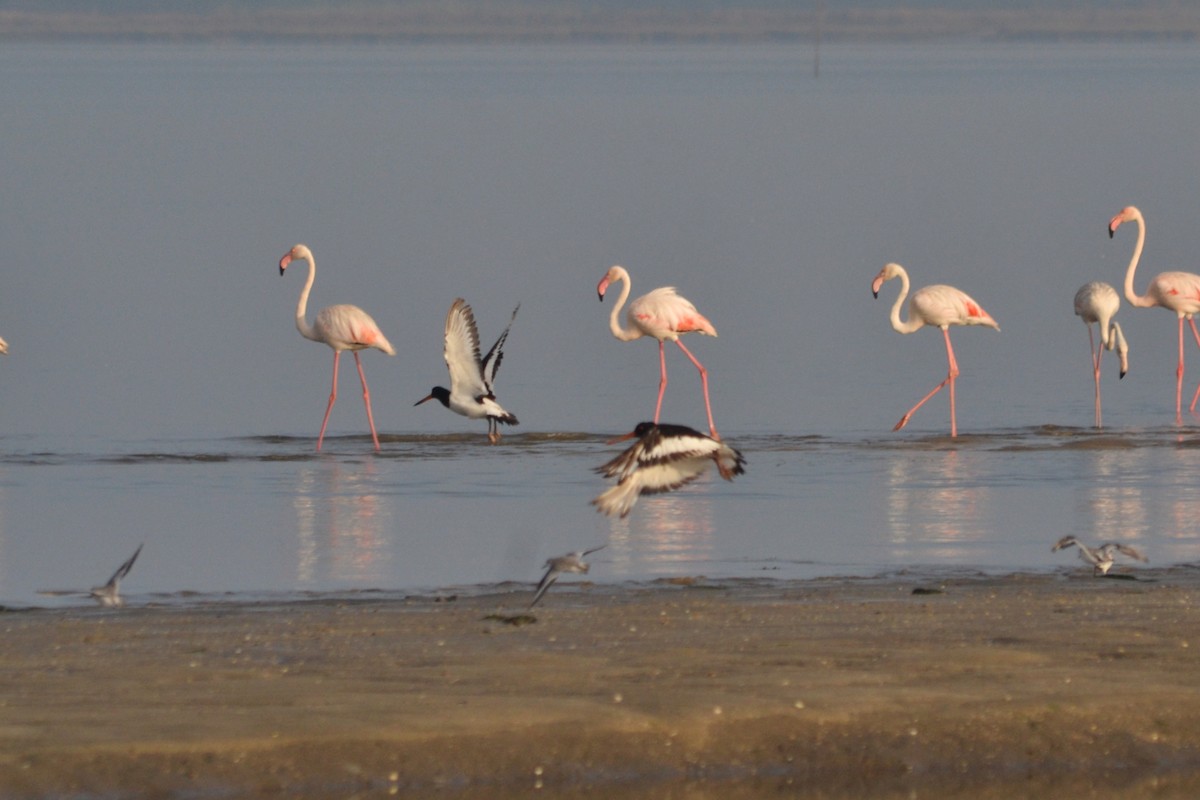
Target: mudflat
982,686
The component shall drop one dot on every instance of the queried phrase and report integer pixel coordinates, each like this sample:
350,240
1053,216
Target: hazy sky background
148,192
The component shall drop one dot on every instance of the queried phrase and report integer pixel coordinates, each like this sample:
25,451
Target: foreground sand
988,687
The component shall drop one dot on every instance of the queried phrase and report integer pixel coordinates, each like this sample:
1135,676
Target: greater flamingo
663,315
1175,291
472,378
940,306
342,327
663,458
571,562
1098,302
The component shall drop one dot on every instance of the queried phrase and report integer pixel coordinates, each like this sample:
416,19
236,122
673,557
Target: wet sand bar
981,686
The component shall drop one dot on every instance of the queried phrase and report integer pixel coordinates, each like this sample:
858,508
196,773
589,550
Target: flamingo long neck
898,324
614,319
1116,339
302,325
1144,301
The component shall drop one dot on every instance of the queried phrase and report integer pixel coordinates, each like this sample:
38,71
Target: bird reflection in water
340,523
665,537
934,498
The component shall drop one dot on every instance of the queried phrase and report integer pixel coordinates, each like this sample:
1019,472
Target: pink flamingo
1098,302
663,315
940,306
1176,291
342,327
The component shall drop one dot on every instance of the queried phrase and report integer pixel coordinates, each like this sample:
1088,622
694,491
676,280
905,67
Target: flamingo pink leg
337,354
1096,352
662,380
712,429
1179,379
332,396
1196,335
366,399
950,376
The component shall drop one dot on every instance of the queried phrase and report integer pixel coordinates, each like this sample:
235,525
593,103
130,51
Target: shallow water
267,515
156,389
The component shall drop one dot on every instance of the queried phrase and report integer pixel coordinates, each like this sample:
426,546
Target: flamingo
1098,302
663,315
472,378
1175,291
1102,557
342,327
940,306
663,458
3,347
571,562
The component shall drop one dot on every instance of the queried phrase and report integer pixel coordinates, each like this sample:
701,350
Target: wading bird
342,327
107,595
664,458
1100,558
1174,291
939,306
472,378
1097,302
663,315
571,562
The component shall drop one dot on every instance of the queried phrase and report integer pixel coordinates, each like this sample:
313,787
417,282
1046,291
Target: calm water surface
435,513
157,391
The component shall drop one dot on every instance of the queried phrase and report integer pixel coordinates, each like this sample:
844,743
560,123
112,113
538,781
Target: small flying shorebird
663,458
571,562
1102,557
110,593
472,378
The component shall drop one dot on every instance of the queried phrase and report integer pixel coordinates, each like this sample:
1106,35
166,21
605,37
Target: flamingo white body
939,306
342,327
1101,558
1174,291
571,562
663,315
3,347
107,595
471,377
1097,303
664,458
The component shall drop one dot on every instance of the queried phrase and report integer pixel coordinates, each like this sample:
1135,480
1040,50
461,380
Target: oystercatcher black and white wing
664,458
472,379
571,562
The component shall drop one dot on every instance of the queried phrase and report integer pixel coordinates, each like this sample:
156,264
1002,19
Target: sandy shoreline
1057,684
